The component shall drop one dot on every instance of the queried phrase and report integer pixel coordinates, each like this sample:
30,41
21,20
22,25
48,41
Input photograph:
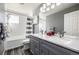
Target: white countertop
71,43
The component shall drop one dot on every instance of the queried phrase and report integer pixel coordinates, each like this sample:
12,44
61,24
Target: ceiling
28,8
24,8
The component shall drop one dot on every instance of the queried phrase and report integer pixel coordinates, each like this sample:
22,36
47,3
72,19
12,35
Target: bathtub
13,42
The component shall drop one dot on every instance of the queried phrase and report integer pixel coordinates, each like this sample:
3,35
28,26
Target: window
13,19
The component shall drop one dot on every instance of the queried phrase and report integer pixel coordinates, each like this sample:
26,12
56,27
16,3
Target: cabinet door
34,45
36,48
43,50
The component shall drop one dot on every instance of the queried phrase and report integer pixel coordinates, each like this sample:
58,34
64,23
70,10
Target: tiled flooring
18,51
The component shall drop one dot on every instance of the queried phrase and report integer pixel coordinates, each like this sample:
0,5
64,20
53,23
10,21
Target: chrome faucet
61,34
41,31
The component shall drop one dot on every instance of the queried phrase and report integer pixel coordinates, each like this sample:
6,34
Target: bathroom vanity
43,45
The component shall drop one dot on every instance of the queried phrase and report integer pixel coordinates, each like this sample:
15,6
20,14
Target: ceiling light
58,4
52,6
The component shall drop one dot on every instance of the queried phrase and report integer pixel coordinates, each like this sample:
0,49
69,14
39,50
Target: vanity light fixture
44,6
47,9
52,6
57,4
48,4
42,10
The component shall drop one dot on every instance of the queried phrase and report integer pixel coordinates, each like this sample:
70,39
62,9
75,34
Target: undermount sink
70,36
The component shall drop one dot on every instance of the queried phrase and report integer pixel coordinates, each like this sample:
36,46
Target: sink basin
70,36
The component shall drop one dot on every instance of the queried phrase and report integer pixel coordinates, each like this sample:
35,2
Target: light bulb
44,6
52,6
42,10
47,9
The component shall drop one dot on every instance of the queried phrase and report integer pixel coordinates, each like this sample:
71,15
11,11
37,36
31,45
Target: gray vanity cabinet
42,47
34,45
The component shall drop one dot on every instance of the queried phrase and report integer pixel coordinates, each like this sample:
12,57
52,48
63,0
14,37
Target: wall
36,26
2,14
57,19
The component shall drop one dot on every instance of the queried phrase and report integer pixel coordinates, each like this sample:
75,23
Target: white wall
2,13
